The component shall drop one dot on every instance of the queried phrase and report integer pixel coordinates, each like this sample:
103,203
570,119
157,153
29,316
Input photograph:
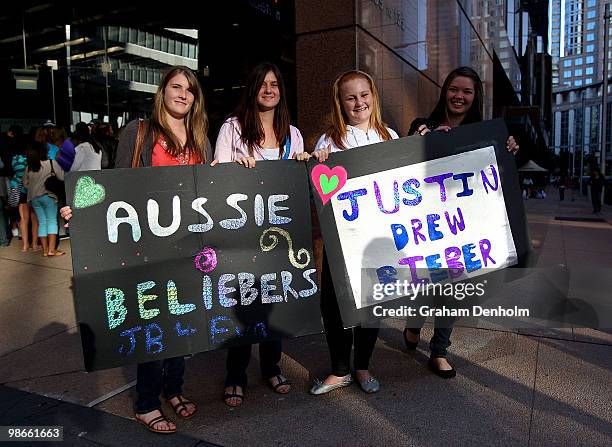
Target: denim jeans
439,343
46,212
238,359
158,377
4,229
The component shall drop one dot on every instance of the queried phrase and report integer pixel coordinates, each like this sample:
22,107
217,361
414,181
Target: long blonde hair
196,121
337,128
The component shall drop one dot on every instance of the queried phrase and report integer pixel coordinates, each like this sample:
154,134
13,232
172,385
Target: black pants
596,200
155,378
238,360
340,340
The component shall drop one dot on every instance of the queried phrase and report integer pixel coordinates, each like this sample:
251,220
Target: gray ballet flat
371,385
321,388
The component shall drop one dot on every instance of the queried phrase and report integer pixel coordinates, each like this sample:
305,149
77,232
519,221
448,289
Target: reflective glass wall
410,46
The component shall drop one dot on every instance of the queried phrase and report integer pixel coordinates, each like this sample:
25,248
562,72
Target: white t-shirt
86,158
269,154
354,137
229,146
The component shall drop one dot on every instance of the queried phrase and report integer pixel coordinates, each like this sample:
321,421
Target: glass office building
110,58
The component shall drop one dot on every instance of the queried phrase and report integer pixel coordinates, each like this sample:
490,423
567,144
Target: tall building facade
409,47
577,49
110,58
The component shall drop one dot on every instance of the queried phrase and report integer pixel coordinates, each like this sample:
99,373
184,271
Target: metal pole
106,70
604,96
68,77
582,143
25,57
570,151
53,95
573,146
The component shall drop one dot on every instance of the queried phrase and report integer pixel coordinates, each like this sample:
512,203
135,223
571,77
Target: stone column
325,47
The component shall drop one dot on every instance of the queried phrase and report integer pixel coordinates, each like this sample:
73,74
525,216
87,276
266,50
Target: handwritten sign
177,260
422,210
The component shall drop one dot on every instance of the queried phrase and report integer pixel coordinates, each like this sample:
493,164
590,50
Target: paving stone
571,401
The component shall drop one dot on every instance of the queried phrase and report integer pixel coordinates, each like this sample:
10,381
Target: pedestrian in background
87,157
26,212
43,201
562,185
102,137
597,183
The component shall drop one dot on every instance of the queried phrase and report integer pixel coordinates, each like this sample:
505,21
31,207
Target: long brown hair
196,120
474,114
337,128
50,134
251,130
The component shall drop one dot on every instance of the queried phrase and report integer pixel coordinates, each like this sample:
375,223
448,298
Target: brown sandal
151,424
181,407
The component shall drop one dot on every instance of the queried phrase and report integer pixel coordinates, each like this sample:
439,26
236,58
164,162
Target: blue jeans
158,377
46,212
439,343
4,229
238,360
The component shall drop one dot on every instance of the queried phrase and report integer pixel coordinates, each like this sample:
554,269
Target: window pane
113,33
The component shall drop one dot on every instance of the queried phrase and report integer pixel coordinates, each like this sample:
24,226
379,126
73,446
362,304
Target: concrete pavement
536,387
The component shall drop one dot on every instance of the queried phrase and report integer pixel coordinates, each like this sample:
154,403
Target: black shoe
445,374
411,346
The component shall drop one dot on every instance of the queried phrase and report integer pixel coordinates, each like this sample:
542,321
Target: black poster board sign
169,261
422,183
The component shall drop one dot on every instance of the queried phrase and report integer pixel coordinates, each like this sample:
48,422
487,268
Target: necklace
183,158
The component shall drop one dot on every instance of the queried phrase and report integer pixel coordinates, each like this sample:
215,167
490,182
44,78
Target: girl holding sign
355,121
260,130
461,102
175,135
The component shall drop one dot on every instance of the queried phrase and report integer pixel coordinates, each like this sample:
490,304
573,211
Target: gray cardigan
127,142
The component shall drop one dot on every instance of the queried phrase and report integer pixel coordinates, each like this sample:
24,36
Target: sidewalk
546,387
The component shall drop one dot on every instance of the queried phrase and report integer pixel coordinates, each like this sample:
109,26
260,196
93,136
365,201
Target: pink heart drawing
328,181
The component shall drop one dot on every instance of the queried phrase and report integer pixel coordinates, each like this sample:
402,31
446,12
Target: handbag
55,186
13,196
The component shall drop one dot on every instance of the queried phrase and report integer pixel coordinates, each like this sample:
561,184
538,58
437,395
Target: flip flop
57,253
181,407
151,424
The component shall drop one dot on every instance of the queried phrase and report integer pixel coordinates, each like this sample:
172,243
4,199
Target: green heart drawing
328,185
87,193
